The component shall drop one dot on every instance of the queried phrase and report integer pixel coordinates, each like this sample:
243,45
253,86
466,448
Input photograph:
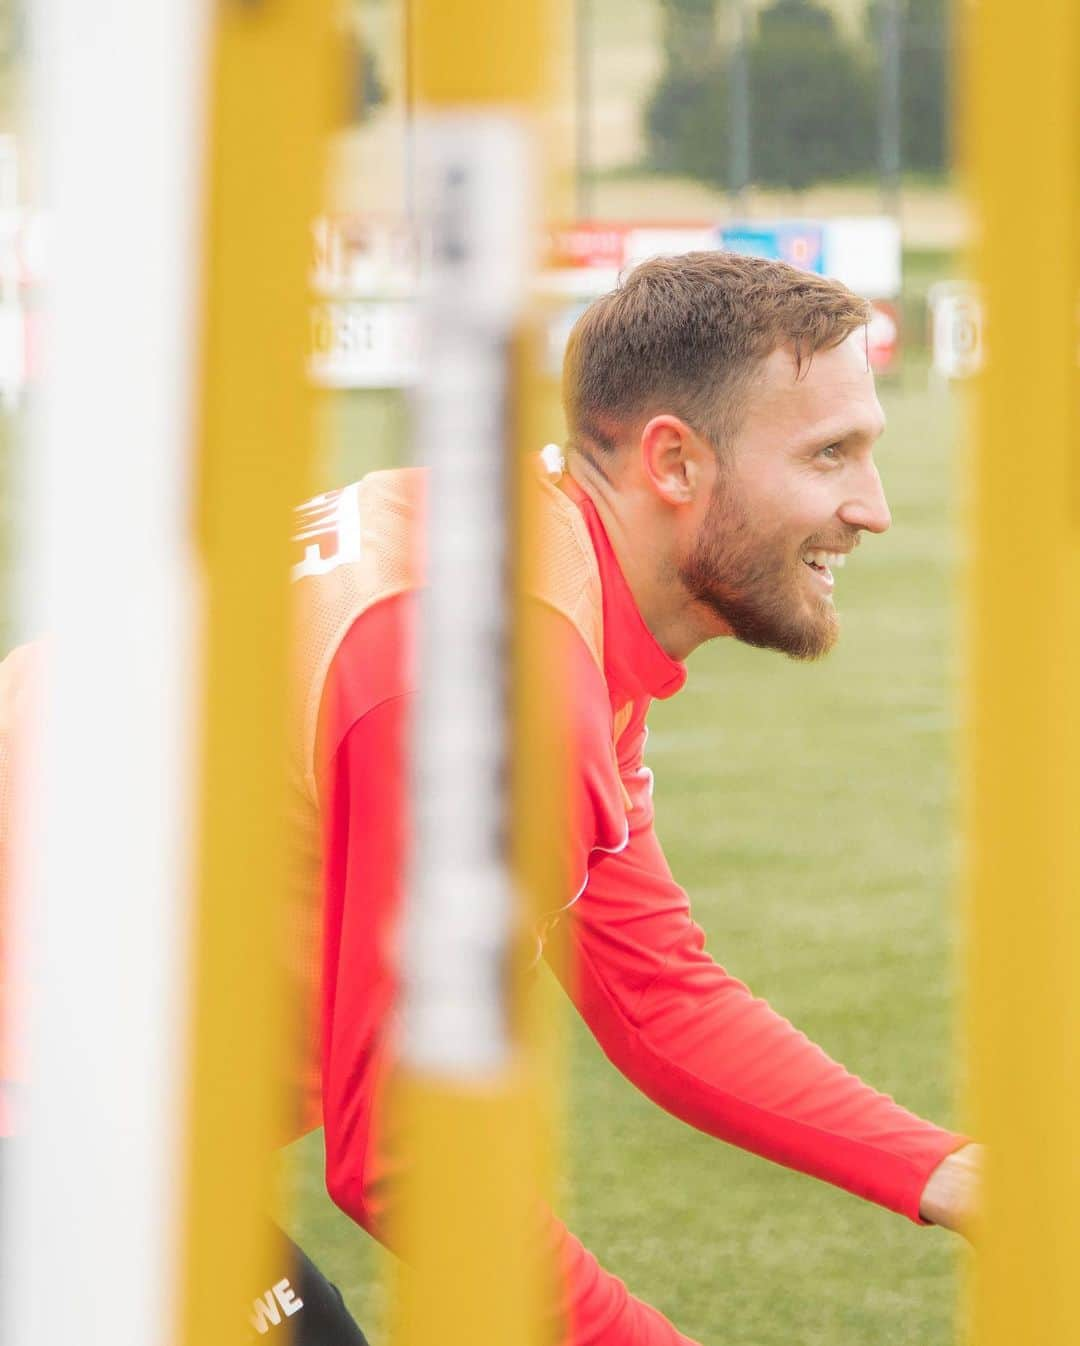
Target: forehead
833,396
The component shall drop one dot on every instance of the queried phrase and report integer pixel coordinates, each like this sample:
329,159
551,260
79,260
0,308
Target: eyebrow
840,431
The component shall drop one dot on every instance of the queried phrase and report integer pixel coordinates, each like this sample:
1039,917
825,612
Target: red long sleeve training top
673,1021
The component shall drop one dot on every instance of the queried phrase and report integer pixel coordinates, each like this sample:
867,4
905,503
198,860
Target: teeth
825,558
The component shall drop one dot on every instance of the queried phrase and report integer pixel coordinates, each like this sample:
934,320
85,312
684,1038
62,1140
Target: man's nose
867,507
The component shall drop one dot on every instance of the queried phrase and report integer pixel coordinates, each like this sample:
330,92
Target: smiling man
763,477
722,421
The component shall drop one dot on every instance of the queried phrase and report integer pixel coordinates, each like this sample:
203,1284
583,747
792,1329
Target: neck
678,623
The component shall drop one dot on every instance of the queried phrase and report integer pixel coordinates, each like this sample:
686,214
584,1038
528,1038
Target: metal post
739,112
1023,744
889,130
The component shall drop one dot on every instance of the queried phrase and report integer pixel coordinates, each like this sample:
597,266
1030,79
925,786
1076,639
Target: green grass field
809,811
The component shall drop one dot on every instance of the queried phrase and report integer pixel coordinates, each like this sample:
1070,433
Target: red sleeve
362,784
697,1042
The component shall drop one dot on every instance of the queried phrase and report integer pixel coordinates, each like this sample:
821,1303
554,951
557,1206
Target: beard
751,579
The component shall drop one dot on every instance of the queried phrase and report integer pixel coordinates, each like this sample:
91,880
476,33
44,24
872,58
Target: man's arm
688,1034
696,1041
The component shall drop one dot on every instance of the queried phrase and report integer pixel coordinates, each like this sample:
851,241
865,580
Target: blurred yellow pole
469,1226
1023,148
271,94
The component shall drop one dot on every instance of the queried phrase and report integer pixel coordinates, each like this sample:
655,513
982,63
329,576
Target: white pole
476,169
90,1195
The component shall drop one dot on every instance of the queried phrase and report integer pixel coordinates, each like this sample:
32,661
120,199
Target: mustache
835,544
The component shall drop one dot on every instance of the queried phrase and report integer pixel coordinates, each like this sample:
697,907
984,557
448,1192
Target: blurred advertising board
363,343
864,252
364,278
366,274
802,245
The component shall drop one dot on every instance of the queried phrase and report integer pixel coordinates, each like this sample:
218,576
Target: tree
924,81
924,86
812,98
690,41
679,110
812,104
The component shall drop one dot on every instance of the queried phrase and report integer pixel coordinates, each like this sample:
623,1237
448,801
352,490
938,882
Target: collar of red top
635,665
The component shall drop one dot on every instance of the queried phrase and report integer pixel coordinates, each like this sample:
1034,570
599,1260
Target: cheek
773,491
797,513
783,513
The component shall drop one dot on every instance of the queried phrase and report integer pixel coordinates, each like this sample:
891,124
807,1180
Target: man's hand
951,1196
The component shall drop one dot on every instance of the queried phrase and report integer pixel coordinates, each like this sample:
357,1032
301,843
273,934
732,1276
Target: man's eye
830,451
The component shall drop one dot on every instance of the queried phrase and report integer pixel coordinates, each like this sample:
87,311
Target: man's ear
675,460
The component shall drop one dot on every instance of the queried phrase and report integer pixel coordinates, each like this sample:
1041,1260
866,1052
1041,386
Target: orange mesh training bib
359,546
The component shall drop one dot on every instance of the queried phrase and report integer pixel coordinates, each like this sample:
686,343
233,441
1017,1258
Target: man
722,419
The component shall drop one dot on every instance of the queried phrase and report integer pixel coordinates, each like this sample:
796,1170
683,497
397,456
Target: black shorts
300,1307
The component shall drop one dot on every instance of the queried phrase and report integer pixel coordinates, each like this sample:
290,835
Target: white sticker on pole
957,330
477,211
478,230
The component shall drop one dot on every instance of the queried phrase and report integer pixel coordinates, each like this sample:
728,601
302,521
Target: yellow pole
270,100
1023,756
469,1221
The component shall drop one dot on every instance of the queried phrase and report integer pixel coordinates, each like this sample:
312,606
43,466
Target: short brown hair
685,334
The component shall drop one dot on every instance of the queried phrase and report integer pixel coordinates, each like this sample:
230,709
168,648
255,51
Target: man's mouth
822,562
